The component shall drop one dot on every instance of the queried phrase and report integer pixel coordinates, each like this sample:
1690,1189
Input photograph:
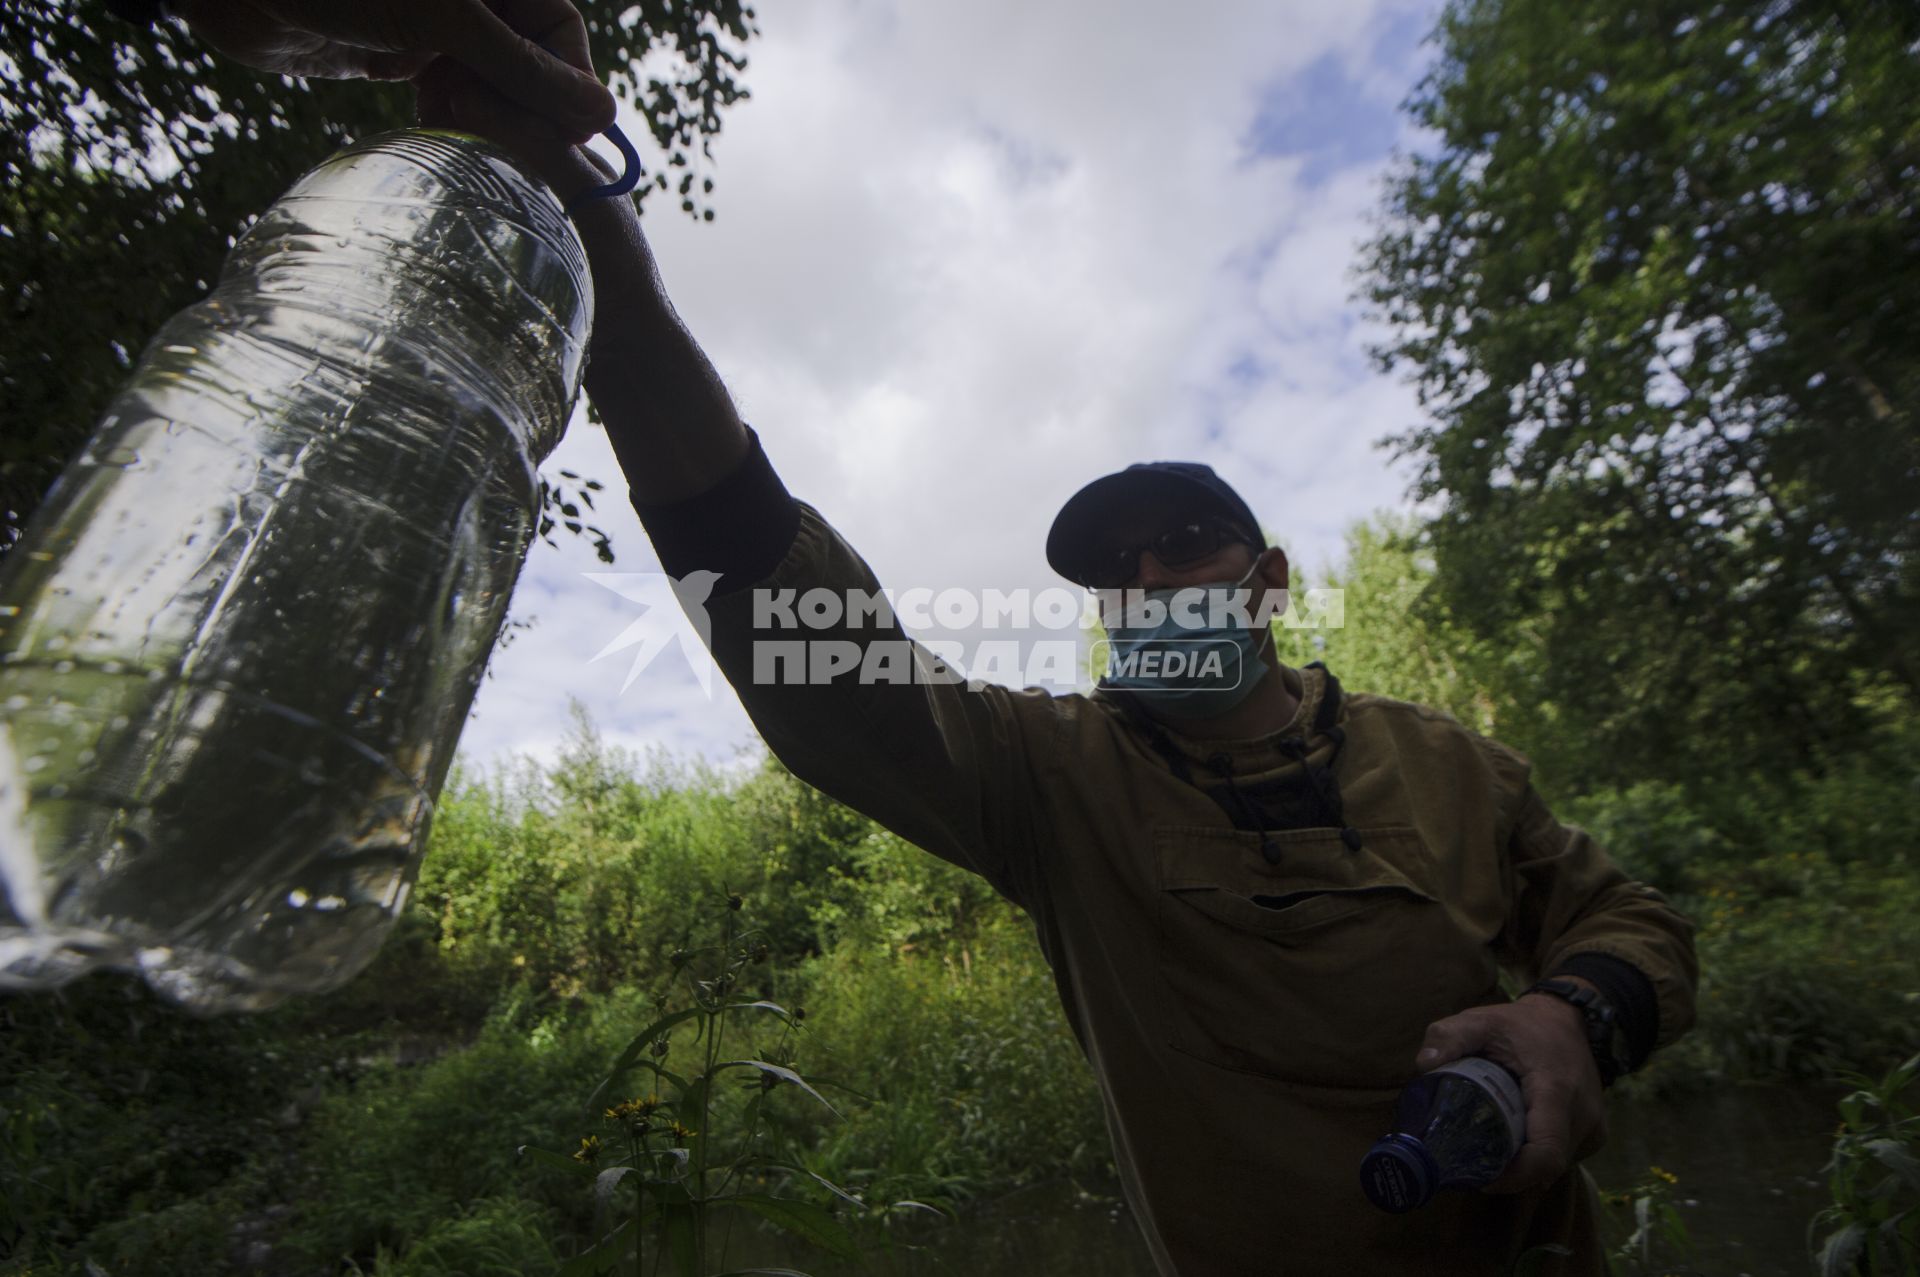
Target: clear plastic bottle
1458,1126
240,639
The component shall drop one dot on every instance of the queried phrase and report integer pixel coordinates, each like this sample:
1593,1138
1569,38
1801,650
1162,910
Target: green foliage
557,909
1658,1241
104,1118
1805,892
582,880
136,155
1396,639
702,1139
984,1087
1653,831
1874,1177
1651,287
1808,968
496,1237
389,1160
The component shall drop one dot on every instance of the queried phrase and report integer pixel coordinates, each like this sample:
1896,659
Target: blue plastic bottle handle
619,185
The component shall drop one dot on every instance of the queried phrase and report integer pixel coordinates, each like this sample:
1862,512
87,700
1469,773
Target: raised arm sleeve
840,693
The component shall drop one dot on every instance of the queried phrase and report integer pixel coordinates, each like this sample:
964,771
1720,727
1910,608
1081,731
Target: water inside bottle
240,640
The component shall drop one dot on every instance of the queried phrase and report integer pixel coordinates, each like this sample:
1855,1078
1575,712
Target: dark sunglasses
1176,547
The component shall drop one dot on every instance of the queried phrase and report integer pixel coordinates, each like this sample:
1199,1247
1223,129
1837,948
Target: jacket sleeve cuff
1627,989
742,527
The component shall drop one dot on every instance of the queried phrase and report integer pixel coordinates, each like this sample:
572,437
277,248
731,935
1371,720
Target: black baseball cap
1092,510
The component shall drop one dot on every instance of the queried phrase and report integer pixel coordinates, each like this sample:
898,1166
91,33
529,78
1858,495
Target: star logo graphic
675,612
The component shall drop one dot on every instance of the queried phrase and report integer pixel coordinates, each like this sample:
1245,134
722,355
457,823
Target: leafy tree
1391,640
1654,286
132,159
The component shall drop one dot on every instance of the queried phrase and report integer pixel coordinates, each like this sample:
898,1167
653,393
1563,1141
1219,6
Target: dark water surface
1748,1160
1749,1163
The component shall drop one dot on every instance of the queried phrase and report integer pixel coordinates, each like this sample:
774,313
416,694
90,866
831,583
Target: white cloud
969,257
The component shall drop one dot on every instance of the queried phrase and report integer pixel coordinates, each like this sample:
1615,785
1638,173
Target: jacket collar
1321,705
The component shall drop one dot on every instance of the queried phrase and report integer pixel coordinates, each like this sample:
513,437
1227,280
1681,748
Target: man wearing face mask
1267,903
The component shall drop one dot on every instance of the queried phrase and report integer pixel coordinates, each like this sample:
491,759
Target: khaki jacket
1247,1053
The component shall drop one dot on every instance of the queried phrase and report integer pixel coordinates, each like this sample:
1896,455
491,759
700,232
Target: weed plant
1873,1227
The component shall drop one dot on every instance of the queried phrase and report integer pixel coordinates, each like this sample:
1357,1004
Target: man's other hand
498,40
1542,1040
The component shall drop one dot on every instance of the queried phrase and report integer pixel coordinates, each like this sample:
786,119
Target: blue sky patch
1335,119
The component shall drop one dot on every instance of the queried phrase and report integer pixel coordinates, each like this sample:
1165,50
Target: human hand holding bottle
533,51
1543,1042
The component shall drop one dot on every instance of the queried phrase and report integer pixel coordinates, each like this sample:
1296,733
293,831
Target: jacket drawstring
1240,807
1245,813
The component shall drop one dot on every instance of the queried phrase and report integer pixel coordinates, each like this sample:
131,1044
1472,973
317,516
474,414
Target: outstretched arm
889,731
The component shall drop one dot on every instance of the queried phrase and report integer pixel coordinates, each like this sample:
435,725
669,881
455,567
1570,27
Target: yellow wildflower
638,1109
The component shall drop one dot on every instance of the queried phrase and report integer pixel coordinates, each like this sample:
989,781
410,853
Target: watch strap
1600,1021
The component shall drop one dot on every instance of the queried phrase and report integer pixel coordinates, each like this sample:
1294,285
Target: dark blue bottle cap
1398,1174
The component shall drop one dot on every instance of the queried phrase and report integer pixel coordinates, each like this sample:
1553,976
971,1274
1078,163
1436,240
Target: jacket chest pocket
1323,967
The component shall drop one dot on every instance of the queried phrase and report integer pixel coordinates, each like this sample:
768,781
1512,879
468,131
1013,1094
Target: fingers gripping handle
629,177
621,185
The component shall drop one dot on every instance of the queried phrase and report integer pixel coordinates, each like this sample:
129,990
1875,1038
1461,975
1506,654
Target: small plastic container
1458,1126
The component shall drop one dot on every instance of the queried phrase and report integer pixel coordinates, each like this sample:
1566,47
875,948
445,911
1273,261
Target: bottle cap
1398,1174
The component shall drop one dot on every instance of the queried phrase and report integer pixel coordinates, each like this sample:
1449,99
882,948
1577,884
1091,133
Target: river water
1748,1162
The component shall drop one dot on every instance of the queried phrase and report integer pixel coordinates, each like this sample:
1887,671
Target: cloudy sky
968,257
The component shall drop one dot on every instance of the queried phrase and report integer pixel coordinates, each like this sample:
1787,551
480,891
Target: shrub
984,1086
409,1148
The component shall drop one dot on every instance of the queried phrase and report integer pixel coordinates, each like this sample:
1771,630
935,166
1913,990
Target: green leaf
1842,1250
821,1180
804,1220
637,1048
1898,1159
782,1073
761,1005
1901,1078
606,1182
678,1083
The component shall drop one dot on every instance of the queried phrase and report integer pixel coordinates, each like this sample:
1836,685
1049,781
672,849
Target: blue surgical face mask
1180,668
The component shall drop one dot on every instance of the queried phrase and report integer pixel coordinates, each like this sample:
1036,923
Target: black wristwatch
1604,1035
